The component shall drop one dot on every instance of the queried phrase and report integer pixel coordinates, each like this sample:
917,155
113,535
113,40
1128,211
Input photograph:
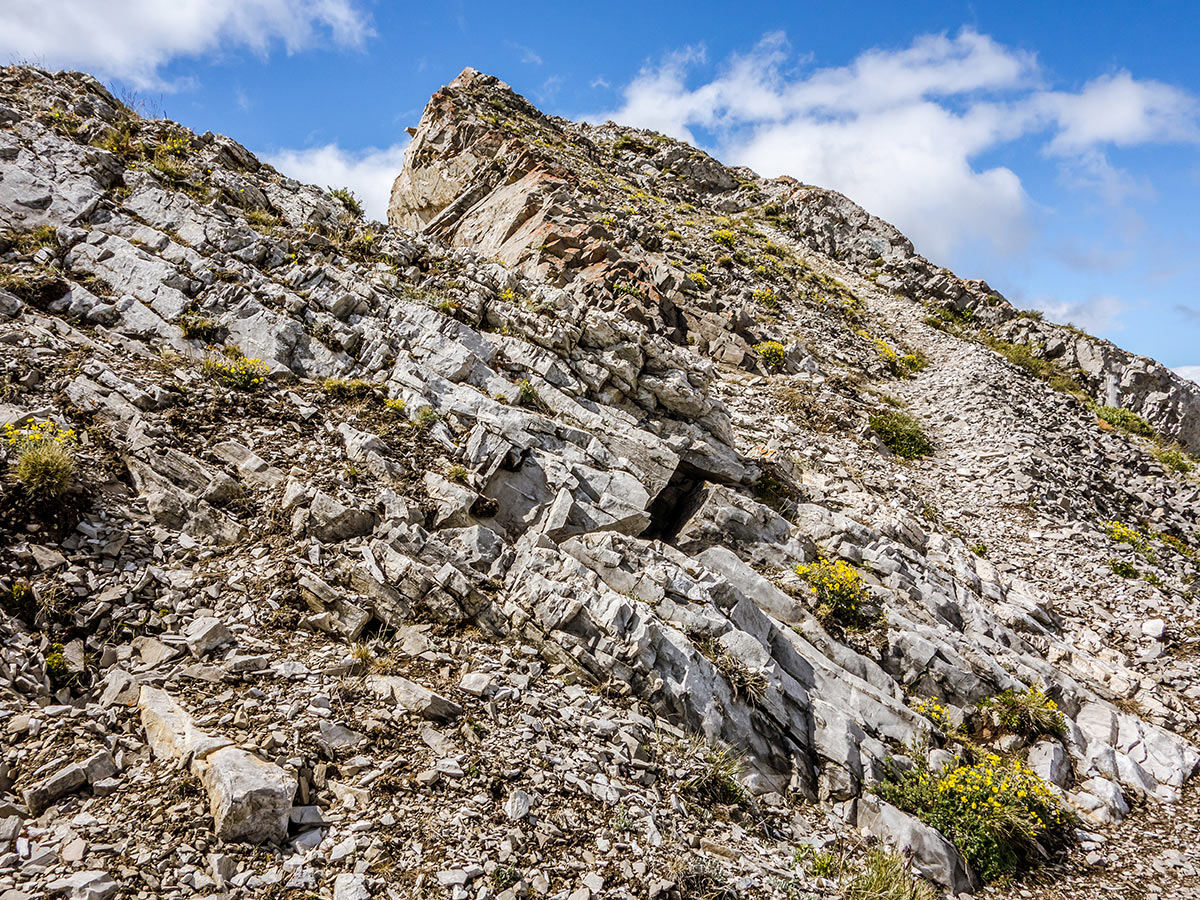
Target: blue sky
1051,151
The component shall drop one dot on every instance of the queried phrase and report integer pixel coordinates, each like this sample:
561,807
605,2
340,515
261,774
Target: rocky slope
458,557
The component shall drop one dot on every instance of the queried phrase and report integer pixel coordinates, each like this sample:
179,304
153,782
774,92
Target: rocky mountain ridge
480,554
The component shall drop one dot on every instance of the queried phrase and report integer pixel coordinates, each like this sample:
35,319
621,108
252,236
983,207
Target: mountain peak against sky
611,523
1054,155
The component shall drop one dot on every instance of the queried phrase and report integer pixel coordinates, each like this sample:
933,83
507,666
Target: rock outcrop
469,543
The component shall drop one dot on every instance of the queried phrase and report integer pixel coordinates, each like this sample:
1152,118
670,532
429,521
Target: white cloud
368,173
901,131
528,55
1096,315
1191,372
1119,110
133,39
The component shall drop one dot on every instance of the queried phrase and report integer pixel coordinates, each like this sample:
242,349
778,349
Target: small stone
87,885
518,805
347,886
476,683
205,634
64,781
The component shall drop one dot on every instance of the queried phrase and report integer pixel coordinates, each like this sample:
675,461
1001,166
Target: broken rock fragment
249,799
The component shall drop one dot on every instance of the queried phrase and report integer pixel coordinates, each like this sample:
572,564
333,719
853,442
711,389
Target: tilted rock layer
496,531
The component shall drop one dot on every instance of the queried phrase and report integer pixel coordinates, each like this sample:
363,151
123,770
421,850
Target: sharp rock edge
457,556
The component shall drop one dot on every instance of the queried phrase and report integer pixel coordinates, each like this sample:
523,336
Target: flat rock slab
938,859
414,697
250,799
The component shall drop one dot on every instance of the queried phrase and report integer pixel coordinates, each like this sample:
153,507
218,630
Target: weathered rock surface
249,799
466,590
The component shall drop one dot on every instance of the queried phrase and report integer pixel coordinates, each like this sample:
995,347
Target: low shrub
38,287
699,279
56,664
902,434
1179,546
748,684
1125,534
1029,712
771,353
718,780
934,711
1173,458
885,876
999,813
1123,569
632,144
28,241
45,470
766,296
241,374
1124,419
880,874
1022,356
198,327
724,237
912,362
45,460
1065,384
348,199
527,394
840,593
343,389
1122,533
426,418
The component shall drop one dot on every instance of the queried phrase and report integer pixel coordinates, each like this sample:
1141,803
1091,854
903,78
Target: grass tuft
902,434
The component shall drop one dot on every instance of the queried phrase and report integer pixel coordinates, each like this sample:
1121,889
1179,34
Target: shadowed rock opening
676,503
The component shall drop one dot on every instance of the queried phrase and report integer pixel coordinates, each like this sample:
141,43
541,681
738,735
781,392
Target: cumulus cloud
1190,372
368,173
132,40
902,131
1118,110
1096,315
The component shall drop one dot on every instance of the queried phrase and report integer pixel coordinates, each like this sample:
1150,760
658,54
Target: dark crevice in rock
676,503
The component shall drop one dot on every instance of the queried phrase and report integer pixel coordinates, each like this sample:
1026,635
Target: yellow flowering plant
771,353
241,373
934,711
45,457
998,812
839,592
46,432
1121,533
1029,712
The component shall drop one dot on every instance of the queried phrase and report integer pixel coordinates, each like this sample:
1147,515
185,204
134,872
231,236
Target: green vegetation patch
1029,712
999,813
348,199
839,592
347,389
902,434
241,373
771,353
45,458
1124,420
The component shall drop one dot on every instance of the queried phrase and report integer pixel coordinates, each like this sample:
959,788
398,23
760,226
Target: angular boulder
249,799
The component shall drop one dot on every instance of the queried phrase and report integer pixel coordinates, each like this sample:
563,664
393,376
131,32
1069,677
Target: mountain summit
611,523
